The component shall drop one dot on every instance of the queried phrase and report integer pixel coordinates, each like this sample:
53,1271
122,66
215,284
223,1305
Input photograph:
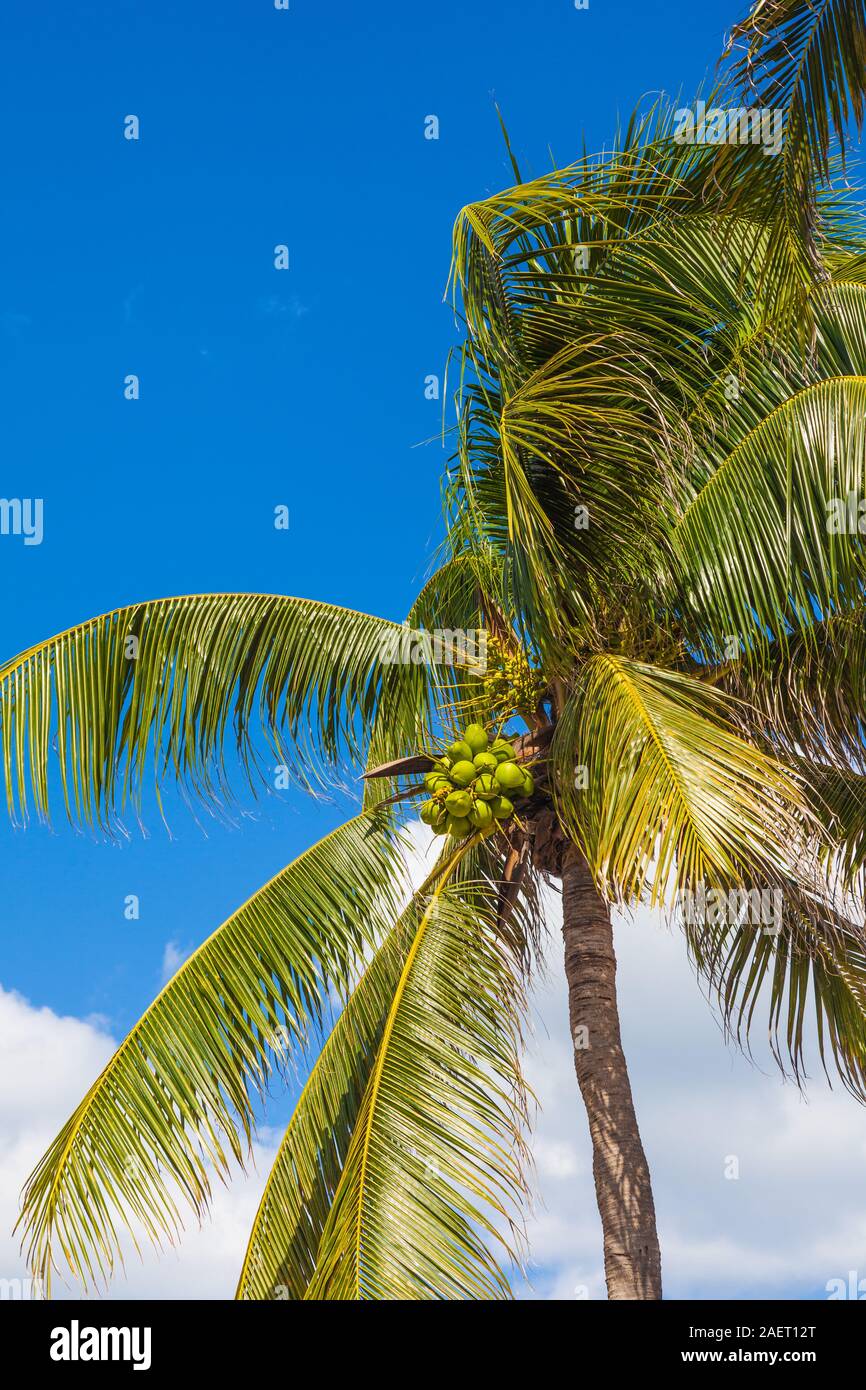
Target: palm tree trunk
632,1263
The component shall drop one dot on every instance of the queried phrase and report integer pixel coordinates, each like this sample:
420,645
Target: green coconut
463,773
502,808
485,762
528,783
459,826
458,803
510,777
427,811
476,737
460,752
502,750
435,779
481,815
485,786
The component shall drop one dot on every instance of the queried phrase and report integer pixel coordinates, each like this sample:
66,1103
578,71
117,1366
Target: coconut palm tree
649,514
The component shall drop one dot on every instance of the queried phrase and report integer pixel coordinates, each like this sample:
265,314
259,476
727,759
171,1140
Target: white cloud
173,957
46,1065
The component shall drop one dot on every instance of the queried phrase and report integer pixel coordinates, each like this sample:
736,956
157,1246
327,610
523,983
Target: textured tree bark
632,1263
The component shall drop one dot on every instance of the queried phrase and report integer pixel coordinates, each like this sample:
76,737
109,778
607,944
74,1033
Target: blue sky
258,387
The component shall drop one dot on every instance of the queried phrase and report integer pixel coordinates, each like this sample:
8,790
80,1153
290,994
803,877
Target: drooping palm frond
563,482
806,58
767,368
597,202
808,698
802,62
673,291
535,367
446,621
846,267
284,1241
567,232
283,1246
434,1166
806,703
838,798
656,785
172,1105
764,545
799,954
160,687
752,370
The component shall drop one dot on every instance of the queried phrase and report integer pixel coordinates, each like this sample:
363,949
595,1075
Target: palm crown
661,407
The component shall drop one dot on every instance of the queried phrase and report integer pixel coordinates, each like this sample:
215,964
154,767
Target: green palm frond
605,388
434,1166
159,688
840,313
283,1246
808,59
808,698
450,597
810,959
564,483
752,369
654,782
764,544
598,201
807,704
846,267
170,1107
802,61
448,610
838,798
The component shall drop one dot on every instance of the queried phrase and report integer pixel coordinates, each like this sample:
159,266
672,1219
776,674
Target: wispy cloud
173,957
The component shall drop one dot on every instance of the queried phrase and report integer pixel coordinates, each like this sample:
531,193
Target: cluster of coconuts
474,785
510,681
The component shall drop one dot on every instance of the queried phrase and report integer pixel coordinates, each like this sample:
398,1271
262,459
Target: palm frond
158,688
764,544
806,58
809,959
808,698
801,61
654,782
838,798
283,1246
171,1106
434,1166
447,618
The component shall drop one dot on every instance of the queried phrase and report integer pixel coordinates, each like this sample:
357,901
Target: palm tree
646,457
